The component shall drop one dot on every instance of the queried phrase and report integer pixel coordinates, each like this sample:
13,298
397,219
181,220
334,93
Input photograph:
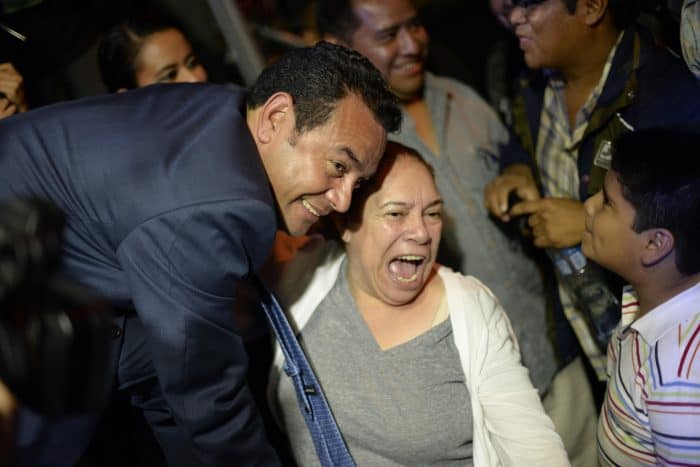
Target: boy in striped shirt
644,225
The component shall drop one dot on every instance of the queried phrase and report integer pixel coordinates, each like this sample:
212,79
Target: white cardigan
510,425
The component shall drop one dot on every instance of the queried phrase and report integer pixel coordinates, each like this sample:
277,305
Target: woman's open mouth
405,268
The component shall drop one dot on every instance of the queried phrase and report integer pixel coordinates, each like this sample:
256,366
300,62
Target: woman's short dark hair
659,172
120,45
392,153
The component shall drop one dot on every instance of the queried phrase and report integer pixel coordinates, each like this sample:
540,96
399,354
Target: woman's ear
659,243
340,224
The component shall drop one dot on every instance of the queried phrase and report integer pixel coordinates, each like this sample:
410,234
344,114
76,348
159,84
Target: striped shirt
651,413
557,156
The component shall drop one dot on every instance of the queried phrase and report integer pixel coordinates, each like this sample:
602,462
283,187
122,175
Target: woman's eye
434,216
169,76
191,62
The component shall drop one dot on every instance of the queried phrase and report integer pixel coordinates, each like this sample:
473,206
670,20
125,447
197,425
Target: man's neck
585,73
418,109
583,76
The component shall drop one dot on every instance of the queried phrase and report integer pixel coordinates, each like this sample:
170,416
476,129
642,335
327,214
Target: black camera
54,334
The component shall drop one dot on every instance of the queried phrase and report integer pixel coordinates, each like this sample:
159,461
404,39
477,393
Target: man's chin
295,229
410,90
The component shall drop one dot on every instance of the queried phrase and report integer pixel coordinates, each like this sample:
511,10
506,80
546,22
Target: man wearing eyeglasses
594,74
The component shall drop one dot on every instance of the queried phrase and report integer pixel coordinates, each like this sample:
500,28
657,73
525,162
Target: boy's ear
277,107
659,243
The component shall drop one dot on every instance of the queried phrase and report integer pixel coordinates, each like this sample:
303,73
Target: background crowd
511,112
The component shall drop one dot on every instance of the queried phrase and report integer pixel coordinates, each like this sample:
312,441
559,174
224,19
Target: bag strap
327,439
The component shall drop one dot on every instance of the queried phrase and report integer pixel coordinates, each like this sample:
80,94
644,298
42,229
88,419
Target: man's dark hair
120,45
336,18
623,12
318,77
659,171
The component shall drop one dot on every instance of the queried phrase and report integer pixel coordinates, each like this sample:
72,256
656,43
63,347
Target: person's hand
12,86
554,222
8,420
517,178
7,108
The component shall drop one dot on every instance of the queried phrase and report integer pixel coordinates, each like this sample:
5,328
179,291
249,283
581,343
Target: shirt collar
659,320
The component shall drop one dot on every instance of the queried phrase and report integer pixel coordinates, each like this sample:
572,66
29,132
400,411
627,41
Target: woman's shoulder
470,300
308,275
465,285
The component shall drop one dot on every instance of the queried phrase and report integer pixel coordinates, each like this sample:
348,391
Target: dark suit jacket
167,205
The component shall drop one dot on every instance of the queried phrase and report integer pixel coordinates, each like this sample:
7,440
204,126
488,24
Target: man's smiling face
393,38
315,172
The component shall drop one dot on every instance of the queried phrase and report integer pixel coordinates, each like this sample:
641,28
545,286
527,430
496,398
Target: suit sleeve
182,268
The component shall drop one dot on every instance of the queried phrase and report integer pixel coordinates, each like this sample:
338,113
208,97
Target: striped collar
666,316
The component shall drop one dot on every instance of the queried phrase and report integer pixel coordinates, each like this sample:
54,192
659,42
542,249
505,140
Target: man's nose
409,42
340,196
517,15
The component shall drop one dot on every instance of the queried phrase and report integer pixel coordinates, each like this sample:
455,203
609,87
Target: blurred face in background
393,38
549,35
167,57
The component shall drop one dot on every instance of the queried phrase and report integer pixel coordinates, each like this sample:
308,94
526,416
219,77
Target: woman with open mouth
418,363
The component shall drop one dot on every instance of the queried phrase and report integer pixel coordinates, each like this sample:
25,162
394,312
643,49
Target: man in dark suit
167,198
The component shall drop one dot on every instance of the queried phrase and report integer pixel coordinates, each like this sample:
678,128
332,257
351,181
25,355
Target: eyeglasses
527,5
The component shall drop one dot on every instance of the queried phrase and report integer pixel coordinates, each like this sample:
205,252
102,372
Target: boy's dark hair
659,171
120,45
318,77
624,12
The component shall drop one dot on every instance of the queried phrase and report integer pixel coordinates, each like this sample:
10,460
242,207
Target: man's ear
593,10
272,116
658,244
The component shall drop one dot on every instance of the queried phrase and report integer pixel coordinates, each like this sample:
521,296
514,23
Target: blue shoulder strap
328,441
